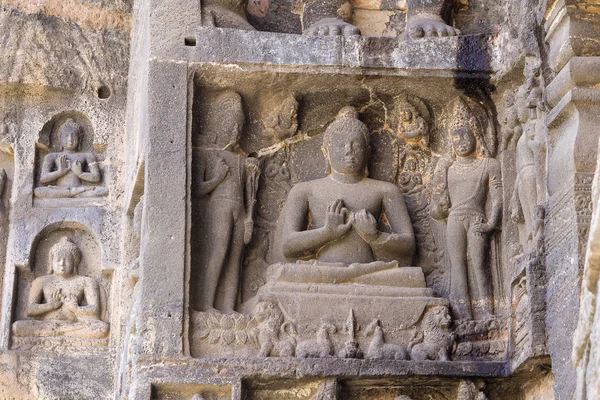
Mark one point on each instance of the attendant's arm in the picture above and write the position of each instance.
(299, 242)
(495, 187)
(49, 176)
(202, 187)
(35, 306)
(495, 195)
(440, 200)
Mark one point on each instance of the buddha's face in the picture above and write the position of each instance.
(348, 153)
(63, 263)
(69, 137)
(464, 142)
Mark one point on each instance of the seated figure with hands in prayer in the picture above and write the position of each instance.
(346, 219)
(63, 303)
(65, 173)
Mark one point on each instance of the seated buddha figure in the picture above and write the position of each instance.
(69, 172)
(351, 228)
(63, 303)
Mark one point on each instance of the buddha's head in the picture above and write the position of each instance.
(227, 119)
(65, 257)
(346, 143)
(69, 133)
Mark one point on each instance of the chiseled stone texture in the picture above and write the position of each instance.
(191, 211)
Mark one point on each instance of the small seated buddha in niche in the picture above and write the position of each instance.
(68, 172)
(63, 303)
(346, 219)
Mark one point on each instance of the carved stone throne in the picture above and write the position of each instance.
(398, 296)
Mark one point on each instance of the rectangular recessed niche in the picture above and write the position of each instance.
(190, 41)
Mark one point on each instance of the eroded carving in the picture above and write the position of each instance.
(321, 346)
(480, 340)
(415, 162)
(465, 184)
(529, 191)
(281, 123)
(469, 390)
(63, 303)
(435, 340)
(70, 172)
(351, 347)
(232, 13)
(276, 334)
(224, 186)
(280, 127)
(425, 18)
(267, 329)
(379, 349)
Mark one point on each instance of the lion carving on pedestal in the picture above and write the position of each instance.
(435, 340)
(274, 334)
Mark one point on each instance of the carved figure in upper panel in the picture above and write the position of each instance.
(425, 18)
(469, 390)
(509, 119)
(529, 191)
(347, 218)
(465, 183)
(414, 173)
(524, 198)
(280, 125)
(70, 172)
(224, 184)
(63, 303)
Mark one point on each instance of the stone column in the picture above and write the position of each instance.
(572, 34)
(157, 135)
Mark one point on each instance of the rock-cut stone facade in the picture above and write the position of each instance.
(308, 199)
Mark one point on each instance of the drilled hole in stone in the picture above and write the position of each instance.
(104, 92)
(190, 41)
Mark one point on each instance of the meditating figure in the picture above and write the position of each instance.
(346, 219)
(67, 172)
(471, 180)
(63, 303)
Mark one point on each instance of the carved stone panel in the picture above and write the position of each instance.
(64, 301)
(299, 202)
(68, 165)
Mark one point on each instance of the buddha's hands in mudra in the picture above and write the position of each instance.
(335, 219)
(64, 165)
(365, 225)
(71, 303)
(56, 300)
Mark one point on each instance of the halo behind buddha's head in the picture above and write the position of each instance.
(346, 120)
(66, 247)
